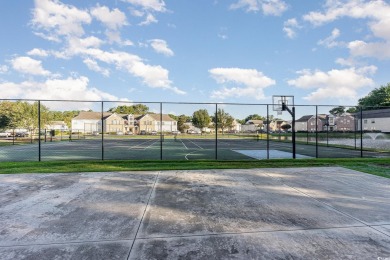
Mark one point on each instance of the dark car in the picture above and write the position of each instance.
(21, 134)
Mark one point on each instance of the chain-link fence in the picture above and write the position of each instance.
(43, 130)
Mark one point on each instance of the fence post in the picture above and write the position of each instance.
(102, 122)
(361, 132)
(216, 131)
(316, 131)
(267, 132)
(161, 135)
(39, 130)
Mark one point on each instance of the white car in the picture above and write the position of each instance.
(5, 134)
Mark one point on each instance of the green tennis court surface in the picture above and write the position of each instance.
(152, 148)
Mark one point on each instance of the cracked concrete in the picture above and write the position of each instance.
(298, 213)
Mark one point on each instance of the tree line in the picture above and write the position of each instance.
(22, 114)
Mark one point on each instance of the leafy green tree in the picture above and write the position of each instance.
(138, 109)
(181, 126)
(201, 118)
(377, 98)
(254, 117)
(4, 122)
(173, 116)
(285, 127)
(337, 110)
(352, 110)
(224, 120)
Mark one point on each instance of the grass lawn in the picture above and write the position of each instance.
(376, 166)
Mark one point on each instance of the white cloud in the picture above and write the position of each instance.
(379, 50)
(161, 46)
(253, 82)
(28, 65)
(72, 88)
(38, 52)
(149, 20)
(152, 76)
(334, 84)
(114, 19)
(330, 41)
(289, 27)
(59, 19)
(376, 12)
(149, 5)
(3, 69)
(268, 7)
(93, 65)
(115, 37)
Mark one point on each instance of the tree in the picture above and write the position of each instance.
(224, 120)
(181, 126)
(201, 118)
(377, 98)
(337, 110)
(286, 127)
(254, 117)
(138, 109)
(352, 110)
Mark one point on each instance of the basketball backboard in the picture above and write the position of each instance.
(278, 101)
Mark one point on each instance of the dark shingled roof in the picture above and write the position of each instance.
(377, 113)
(304, 118)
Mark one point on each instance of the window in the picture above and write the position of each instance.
(372, 121)
(365, 121)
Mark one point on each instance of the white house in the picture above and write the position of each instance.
(252, 126)
(57, 125)
(375, 120)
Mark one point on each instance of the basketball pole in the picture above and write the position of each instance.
(292, 113)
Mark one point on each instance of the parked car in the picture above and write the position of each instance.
(176, 132)
(153, 133)
(21, 134)
(5, 134)
(143, 132)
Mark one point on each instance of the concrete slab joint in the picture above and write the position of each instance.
(300, 213)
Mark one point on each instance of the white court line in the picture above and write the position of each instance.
(195, 144)
(184, 144)
(140, 144)
(189, 154)
(151, 145)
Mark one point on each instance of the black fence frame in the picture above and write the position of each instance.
(359, 108)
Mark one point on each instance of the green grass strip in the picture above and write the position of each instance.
(376, 166)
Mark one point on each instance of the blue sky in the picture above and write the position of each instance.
(245, 51)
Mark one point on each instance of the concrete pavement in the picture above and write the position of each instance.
(297, 213)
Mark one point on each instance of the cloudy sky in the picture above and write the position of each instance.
(322, 52)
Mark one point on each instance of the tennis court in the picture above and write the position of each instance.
(174, 148)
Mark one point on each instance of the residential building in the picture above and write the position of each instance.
(321, 123)
(90, 122)
(151, 122)
(344, 122)
(302, 124)
(252, 126)
(374, 120)
(57, 125)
